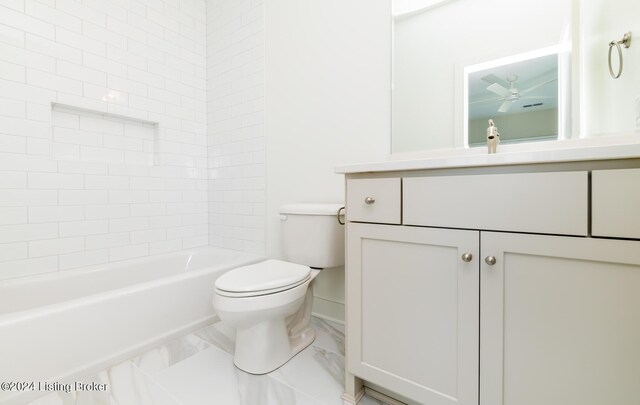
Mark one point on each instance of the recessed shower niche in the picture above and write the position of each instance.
(92, 136)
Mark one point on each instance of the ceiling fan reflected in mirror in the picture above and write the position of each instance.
(508, 91)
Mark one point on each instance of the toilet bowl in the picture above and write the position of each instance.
(272, 322)
(269, 303)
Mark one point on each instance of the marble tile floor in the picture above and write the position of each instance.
(198, 369)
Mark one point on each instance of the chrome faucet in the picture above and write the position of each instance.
(493, 137)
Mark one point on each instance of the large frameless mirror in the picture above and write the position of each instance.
(447, 53)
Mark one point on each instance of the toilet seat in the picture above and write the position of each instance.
(267, 277)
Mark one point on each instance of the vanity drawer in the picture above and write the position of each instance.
(552, 203)
(615, 203)
(374, 200)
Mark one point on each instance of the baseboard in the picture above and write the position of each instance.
(329, 310)
(382, 397)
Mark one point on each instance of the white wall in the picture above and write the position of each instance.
(79, 188)
(327, 102)
(235, 94)
(609, 106)
(432, 47)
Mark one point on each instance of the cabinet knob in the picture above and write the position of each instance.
(490, 260)
(369, 200)
(467, 257)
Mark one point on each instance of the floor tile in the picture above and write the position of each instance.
(211, 378)
(52, 399)
(126, 385)
(315, 371)
(219, 335)
(329, 335)
(198, 369)
(156, 360)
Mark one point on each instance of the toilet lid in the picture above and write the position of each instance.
(263, 276)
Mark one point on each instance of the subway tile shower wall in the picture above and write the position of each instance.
(236, 130)
(103, 131)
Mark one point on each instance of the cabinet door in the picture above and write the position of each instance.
(412, 311)
(560, 321)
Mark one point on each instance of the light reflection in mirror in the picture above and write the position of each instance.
(520, 93)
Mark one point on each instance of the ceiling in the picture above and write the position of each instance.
(405, 8)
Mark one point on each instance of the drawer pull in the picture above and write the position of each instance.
(490, 260)
(467, 257)
(369, 200)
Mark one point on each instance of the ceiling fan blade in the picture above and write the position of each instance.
(499, 90)
(491, 78)
(505, 106)
(537, 85)
(486, 100)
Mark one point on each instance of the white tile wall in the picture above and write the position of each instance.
(123, 172)
(236, 131)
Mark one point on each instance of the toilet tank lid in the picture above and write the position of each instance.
(311, 209)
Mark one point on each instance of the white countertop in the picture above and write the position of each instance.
(619, 147)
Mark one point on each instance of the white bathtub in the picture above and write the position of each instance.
(57, 327)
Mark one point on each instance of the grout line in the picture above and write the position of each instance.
(304, 394)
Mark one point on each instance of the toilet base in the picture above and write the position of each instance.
(270, 329)
(266, 347)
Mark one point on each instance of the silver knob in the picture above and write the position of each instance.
(490, 260)
(467, 257)
(369, 200)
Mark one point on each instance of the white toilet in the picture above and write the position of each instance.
(269, 303)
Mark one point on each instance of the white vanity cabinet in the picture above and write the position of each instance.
(413, 311)
(559, 320)
(452, 308)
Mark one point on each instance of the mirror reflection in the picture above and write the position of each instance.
(434, 41)
(521, 98)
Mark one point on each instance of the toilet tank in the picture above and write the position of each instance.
(312, 234)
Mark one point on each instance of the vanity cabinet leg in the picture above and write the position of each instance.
(354, 389)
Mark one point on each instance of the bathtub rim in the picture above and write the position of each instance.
(13, 317)
(117, 263)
